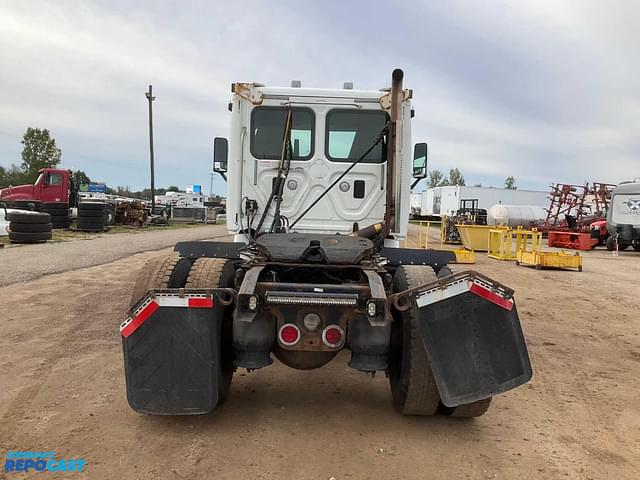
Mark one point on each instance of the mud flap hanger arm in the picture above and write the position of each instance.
(453, 285)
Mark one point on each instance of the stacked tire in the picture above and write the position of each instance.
(59, 212)
(91, 216)
(29, 227)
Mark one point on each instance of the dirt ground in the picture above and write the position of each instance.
(62, 389)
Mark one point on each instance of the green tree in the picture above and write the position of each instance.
(454, 178)
(173, 188)
(435, 178)
(11, 176)
(510, 183)
(39, 151)
(79, 177)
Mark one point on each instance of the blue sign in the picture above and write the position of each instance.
(197, 189)
(93, 187)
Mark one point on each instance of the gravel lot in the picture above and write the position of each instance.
(27, 262)
(62, 389)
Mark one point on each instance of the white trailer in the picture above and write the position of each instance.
(438, 201)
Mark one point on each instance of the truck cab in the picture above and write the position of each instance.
(52, 185)
(331, 129)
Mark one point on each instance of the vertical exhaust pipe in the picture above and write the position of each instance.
(396, 99)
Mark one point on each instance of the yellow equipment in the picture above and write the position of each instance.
(476, 237)
(464, 256)
(501, 242)
(530, 253)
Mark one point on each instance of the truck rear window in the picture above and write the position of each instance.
(267, 131)
(350, 133)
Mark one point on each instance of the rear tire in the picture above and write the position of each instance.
(413, 387)
(611, 243)
(156, 273)
(109, 216)
(218, 273)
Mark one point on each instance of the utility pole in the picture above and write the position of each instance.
(211, 186)
(151, 98)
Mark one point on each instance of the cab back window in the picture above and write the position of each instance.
(349, 133)
(267, 132)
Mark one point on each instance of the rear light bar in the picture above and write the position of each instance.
(308, 298)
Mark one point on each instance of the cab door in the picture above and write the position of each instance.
(53, 187)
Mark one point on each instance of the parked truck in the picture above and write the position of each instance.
(54, 192)
(623, 217)
(318, 199)
(51, 186)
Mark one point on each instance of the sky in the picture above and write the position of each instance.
(545, 91)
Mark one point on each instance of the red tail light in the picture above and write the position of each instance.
(289, 334)
(333, 336)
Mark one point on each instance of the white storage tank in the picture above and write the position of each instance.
(515, 215)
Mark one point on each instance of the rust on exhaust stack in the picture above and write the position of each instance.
(390, 207)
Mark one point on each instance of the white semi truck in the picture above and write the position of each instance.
(318, 198)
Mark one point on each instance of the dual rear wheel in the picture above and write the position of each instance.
(173, 271)
(413, 386)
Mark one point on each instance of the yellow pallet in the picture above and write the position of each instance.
(549, 259)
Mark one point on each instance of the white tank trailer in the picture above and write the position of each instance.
(515, 215)
(623, 217)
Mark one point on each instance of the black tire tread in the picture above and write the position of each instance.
(24, 237)
(216, 273)
(156, 273)
(85, 206)
(91, 214)
(418, 392)
(20, 217)
(30, 227)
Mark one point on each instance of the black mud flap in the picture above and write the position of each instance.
(171, 346)
(473, 338)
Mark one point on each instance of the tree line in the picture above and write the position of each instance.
(455, 177)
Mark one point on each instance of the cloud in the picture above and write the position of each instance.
(539, 90)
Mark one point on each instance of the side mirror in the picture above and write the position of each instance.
(420, 160)
(220, 153)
